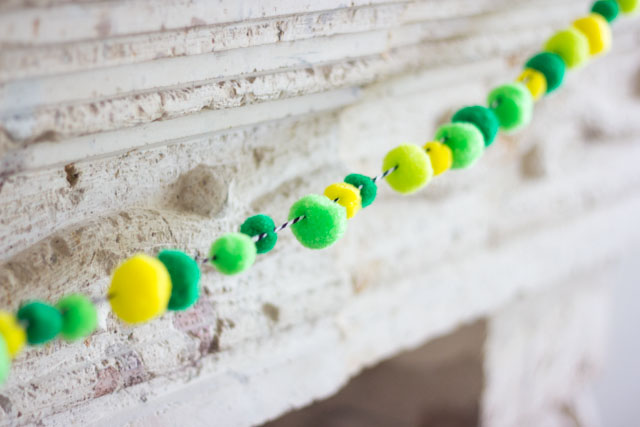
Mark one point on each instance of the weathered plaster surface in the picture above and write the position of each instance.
(138, 135)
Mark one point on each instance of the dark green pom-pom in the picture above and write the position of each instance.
(551, 65)
(185, 278)
(79, 316)
(483, 118)
(369, 188)
(259, 224)
(608, 9)
(43, 321)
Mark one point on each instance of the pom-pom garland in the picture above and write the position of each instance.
(79, 316)
(597, 31)
(464, 140)
(483, 118)
(367, 186)
(263, 226)
(535, 81)
(43, 321)
(346, 195)
(440, 155)
(513, 105)
(14, 335)
(413, 168)
(140, 289)
(551, 66)
(608, 9)
(143, 287)
(323, 221)
(233, 253)
(185, 279)
(571, 45)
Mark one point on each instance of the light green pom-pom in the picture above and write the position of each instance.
(324, 221)
(482, 118)
(233, 253)
(629, 6)
(551, 65)
(513, 105)
(465, 141)
(185, 278)
(571, 45)
(79, 316)
(414, 168)
(43, 321)
(259, 224)
(5, 360)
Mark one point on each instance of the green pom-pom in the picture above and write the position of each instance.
(513, 105)
(79, 316)
(629, 6)
(571, 45)
(551, 66)
(259, 224)
(414, 168)
(233, 253)
(464, 140)
(368, 188)
(5, 360)
(185, 278)
(608, 9)
(43, 321)
(483, 118)
(324, 221)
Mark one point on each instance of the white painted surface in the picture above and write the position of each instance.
(290, 97)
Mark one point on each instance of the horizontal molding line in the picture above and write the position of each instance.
(19, 62)
(49, 154)
(73, 22)
(23, 95)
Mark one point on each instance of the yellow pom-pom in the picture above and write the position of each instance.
(597, 31)
(348, 196)
(440, 155)
(13, 334)
(535, 81)
(140, 289)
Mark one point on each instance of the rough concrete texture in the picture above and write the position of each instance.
(126, 131)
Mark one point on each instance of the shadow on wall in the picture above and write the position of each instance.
(439, 384)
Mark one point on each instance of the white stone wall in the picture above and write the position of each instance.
(134, 126)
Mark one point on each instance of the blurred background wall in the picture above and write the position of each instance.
(131, 126)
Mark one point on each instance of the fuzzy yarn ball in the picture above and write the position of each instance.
(414, 168)
(79, 316)
(233, 253)
(440, 155)
(140, 289)
(44, 322)
(347, 196)
(324, 221)
(464, 140)
(608, 9)
(597, 31)
(551, 66)
(12, 332)
(257, 225)
(368, 188)
(513, 105)
(482, 118)
(571, 45)
(185, 279)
